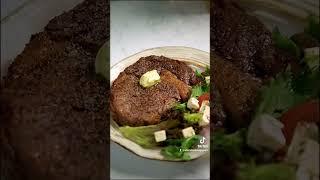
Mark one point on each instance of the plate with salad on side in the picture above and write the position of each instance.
(269, 82)
(160, 103)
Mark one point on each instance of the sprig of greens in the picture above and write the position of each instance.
(192, 118)
(287, 90)
(202, 75)
(278, 96)
(177, 151)
(285, 43)
(198, 74)
(230, 145)
(198, 90)
(207, 71)
(181, 107)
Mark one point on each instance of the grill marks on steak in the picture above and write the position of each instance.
(56, 109)
(134, 105)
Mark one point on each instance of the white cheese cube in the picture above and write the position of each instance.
(308, 167)
(203, 105)
(314, 51)
(207, 78)
(205, 117)
(265, 133)
(302, 132)
(302, 174)
(160, 135)
(193, 103)
(309, 159)
(188, 132)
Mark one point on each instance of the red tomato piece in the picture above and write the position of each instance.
(203, 97)
(307, 112)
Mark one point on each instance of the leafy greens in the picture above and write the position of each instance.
(177, 150)
(283, 42)
(192, 118)
(198, 90)
(143, 135)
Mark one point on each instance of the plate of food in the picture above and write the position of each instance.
(160, 103)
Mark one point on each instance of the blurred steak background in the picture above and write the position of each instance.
(243, 58)
(54, 109)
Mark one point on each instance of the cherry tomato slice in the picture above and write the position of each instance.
(307, 112)
(203, 97)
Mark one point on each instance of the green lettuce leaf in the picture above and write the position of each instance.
(278, 96)
(192, 118)
(285, 43)
(177, 151)
(181, 107)
(230, 145)
(143, 135)
(198, 90)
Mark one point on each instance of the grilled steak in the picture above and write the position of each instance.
(136, 106)
(243, 40)
(54, 108)
(238, 91)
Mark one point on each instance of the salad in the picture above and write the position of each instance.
(282, 140)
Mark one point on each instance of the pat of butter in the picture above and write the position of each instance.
(149, 78)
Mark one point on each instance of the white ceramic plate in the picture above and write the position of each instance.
(195, 58)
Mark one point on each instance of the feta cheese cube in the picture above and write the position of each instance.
(160, 135)
(205, 117)
(309, 159)
(302, 174)
(203, 105)
(193, 103)
(265, 133)
(207, 78)
(302, 132)
(188, 132)
(314, 51)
